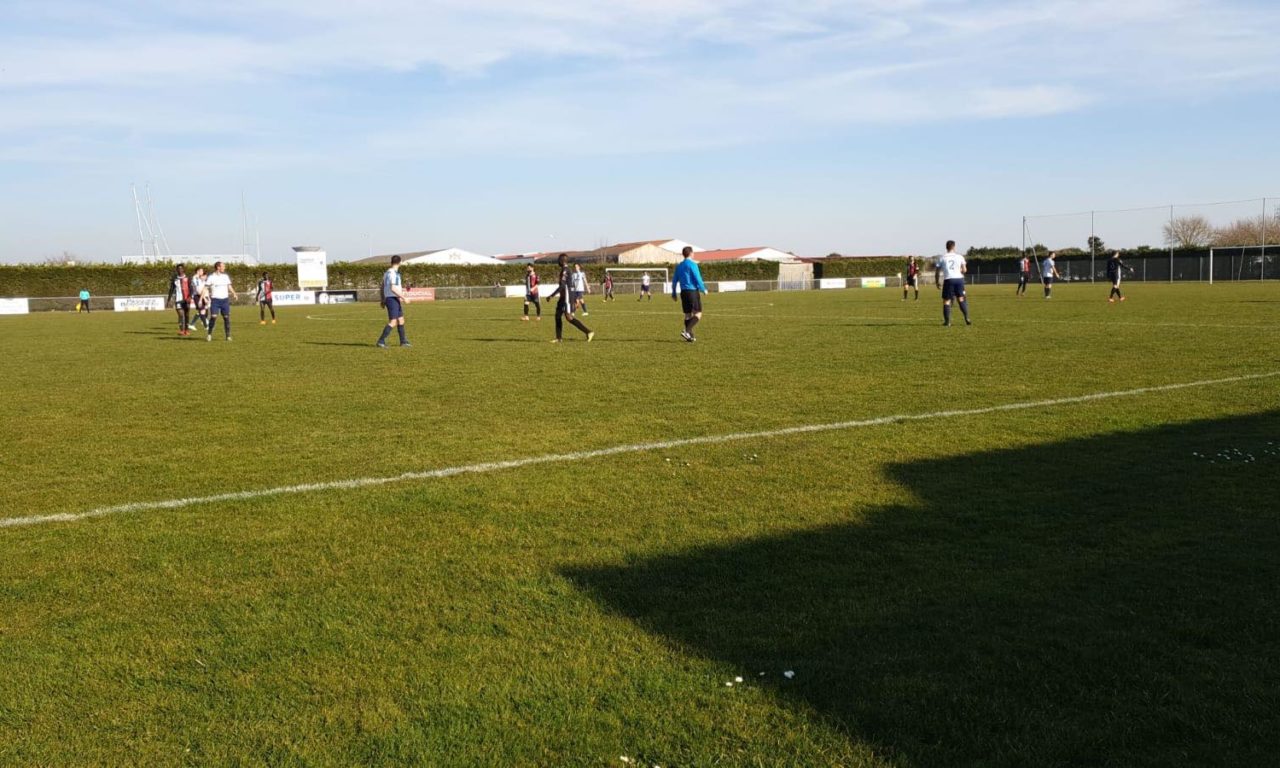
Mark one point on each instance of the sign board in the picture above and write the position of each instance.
(337, 297)
(666, 288)
(293, 298)
(727, 286)
(827, 283)
(139, 303)
(873, 282)
(517, 291)
(421, 294)
(313, 268)
(14, 306)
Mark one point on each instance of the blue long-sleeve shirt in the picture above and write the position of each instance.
(687, 278)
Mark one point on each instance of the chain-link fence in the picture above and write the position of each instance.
(1218, 265)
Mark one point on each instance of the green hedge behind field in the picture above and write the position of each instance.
(126, 280)
(860, 267)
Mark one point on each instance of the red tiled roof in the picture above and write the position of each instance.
(725, 254)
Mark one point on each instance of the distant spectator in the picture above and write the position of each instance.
(84, 300)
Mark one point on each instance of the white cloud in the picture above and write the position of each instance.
(624, 76)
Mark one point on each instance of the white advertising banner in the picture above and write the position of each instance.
(666, 289)
(827, 283)
(292, 298)
(516, 291)
(313, 269)
(14, 306)
(139, 303)
(873, 282)
(729, 286)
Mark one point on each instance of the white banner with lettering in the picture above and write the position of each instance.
(139, 303)
(832, 282)
(313, 269)
(292, 298)
(728, 286)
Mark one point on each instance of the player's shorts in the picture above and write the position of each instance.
(1024, 278)
(265, 302)
(531, 298)
(221, 307)
(1047, 280)
(953, 288)
(691, 302)
(911, 281)
(575, 296)
(182, 305)
(1115, 282)
(644, 289)
(394, 310)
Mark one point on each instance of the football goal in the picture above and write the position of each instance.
(1242, 262)
(631, 276)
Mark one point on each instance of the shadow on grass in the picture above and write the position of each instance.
(1105, 601)
(369, 344)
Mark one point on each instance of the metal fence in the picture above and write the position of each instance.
(1226, 264)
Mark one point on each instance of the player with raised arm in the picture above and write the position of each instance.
(1115, 268)
(951, 267)
(564, 306)
(265, 302)
(911, 278)
(531, 293)
(180, 292)
(687, 285)
(1048, 271)
(221, 293)
(1024, 274)
(393, 300)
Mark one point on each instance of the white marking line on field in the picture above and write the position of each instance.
(494, 466)
(835, 319)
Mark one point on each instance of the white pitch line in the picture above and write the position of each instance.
(495, 466)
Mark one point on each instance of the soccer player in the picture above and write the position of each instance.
(221, 293)
(580, 289)
(608, 287)
(913, 272)
(1048, 271)
(200, 295)
(531, 293)
(687, 285)
(84, 300)
(644, 287)
(264, 300)
(1024, 274)
(180, 292)
(564, 307)
(952, 268)
(1114, 268)
(394, 299)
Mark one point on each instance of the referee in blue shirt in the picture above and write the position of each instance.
(687, 285)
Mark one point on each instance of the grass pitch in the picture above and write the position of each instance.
(1075, 583)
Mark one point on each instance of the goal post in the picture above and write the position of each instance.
(1253, 255)
(639, 272)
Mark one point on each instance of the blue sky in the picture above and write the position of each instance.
(862, 126)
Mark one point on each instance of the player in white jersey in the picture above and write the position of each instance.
(951, 268)
(220, 296)
(1048, 271)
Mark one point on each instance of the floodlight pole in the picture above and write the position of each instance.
(1171, 244)
(1024, 235)
(1093, 238)
(1262, 265)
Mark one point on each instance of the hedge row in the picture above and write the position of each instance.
(125, 280)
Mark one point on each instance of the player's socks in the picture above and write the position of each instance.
(386, 331)
(964, 308)
(946, 314)
(693, 321)
(578, 324)
(400, 330)
(226, 326)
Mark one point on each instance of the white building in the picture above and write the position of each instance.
(454, 256)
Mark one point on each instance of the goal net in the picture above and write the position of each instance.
(628, 279)
(1244, 262)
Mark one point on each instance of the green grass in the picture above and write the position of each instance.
(1066, 585)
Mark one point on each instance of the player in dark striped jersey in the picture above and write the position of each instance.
(180, 291)
(531, 292)
(564, 307)
(912, 278)
(1024, 275)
